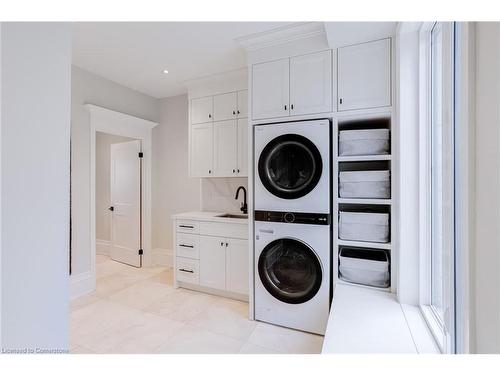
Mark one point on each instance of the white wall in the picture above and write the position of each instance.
(89, 88)
(173, 191)
(35, 122)
(103, 183)
(485, 279)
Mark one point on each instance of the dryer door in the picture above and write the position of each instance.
(290, 166)
(290, 270)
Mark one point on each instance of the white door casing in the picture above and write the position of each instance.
(126, 202)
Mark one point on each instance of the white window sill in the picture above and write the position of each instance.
(365, 320)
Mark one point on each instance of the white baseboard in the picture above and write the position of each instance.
(162, 257)
(81, 284)
(102, 247)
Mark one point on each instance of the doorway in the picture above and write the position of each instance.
(118, 203)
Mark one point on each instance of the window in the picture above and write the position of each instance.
(437, 281)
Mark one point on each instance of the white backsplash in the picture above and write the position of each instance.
(217, 194)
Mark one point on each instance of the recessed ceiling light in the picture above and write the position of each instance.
(165, 71)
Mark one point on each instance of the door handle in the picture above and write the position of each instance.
(111, 208)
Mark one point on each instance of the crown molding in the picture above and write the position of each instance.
(281, 35)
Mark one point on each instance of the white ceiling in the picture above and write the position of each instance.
(135, 54)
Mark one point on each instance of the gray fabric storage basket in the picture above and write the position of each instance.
(365, 184)
(364, 226)
(371, 270)
(363, 142)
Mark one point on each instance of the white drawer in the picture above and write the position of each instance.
(187, 226)
(187, 245)
(224, 230)
(188, 270)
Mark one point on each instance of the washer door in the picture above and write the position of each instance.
(290, 166)
(290, 270)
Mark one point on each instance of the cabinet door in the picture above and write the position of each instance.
(201, 110)
(225, 106)
(242, 103)
(311, 83)
(237, 266)
(201, 150)
(270, 89)
(213, 262)
(364, 75)
(242, 147)
(225, 148)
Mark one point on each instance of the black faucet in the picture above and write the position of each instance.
(243, 207)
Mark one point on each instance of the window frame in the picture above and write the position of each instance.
(442, 328)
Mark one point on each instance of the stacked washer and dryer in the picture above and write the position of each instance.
(292, 203)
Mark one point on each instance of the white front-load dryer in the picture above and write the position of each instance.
(292, 270)
(292, 166)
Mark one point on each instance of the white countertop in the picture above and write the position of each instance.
(364, 320)
(209, 216)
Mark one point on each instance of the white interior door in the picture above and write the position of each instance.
(126, 202)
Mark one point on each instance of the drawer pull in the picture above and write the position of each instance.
(189, 246)
(186, 226)
(184, 270)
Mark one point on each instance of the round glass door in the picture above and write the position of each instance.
(290, 270)
(290, 166)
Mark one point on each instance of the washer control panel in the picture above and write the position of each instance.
(292, 217)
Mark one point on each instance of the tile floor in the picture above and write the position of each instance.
(139, 311)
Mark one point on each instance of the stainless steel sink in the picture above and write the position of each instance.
(234, 216)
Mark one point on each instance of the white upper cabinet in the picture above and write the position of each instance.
(201, 150)
(225, 148)
(242, 169)
(225, 106)
(311, 83)
(242, 103)
(201, 110)
(364, 75)
(270, 89)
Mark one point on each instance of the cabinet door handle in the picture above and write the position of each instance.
(209, 115)
(285, 107)
(226, 244)
(185, 270)
(186, 226)
(234, 170)
(188, 246)
(238, 111)
(234, 112)
(209, 171)
(238, 170)
(291, 107)
(222, 243)
(341, 100)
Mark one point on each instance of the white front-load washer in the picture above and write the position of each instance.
(292, 269)
(292, 166)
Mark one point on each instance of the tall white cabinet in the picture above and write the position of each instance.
(218, 135)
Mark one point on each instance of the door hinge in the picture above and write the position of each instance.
(140, 252)
(141, 154)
